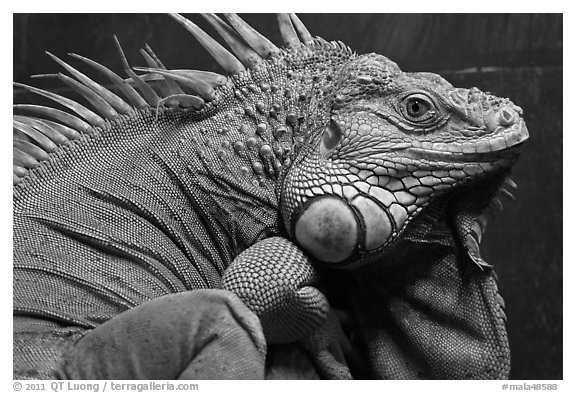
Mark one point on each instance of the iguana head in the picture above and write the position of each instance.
(395, 142)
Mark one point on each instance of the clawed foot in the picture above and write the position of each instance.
(275, 280)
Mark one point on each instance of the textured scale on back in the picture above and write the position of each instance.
(300, 159)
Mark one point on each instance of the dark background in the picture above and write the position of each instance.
(510, 55)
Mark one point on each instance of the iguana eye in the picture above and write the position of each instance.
(417, 108)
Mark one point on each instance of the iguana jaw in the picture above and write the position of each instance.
(355, 227)
(503, 146)
(338, 234)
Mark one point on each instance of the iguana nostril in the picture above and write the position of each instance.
(506, 117)
(459, 97)
(327, 230)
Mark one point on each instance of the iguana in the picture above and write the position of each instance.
(309, 209)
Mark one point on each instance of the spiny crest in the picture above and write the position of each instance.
(39, 130)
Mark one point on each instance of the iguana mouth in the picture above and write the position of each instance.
(504, 146)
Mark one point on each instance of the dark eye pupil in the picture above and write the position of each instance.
(416, 108)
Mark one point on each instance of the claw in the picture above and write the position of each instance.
(477, 231)
(474, 252)
(500, 301)
(511, 183)
(507, 194)
(482, 221)
(497, 203)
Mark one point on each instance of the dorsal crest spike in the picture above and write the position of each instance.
(211, 78)
(245, 53)
(56, 114)
(226, 59)
(166, 86)
(31, 149)
(149, 94)
(66, 131)
(170, 86)
(202, 88)
(132, 95)
(56, 137)
(99, 103)
(81, 110)
(39, 137)
(301, 29)
(287, 31)
(119, 104)
(21, 158)
(157, 60)
(19, 171)
(257, 41)
(103, 107)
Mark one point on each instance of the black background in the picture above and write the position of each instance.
(515, 56)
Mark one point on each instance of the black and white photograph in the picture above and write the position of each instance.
(299, 196)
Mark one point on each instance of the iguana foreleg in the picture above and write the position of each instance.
(275, 279)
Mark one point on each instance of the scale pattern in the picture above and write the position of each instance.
(178, 182)
(282, 295)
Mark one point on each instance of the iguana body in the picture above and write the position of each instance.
(160, 191)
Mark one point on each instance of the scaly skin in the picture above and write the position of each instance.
(396, 141)
(311, 154)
